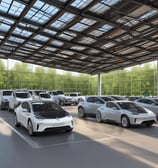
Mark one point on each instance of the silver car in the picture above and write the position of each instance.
(126, 113)
(148, 103)
(89, 105)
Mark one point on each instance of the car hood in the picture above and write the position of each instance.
(147, 113)
(51, 115)
(23, 99)
(6, 97)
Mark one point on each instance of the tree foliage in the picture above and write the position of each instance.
(139, 80)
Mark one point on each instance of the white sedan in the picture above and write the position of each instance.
(126, 113)
(40, 116)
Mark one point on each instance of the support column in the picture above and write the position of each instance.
(157, 78)
(99, 84)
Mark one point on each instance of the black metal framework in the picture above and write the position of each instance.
(86, 36)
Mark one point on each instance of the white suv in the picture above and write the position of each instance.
(76, 97)
(17, 97)
(4, 98)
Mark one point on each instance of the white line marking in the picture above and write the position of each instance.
(29, 141)
(35, 145)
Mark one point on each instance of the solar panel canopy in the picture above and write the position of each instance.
(85, 36)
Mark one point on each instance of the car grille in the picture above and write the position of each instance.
(57, 129)
(148, 122)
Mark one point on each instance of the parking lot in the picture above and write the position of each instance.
(90, 145)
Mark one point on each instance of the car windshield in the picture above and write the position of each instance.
(48, 110)
(107, 98)
(75, 94)
(7, 93)
(117, 98)
(45, 95)
(22, 95)
(60, 92)
(156, 100)
(53, 93)
(132, 107)
(37, 92)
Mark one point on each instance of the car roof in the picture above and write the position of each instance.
(120, 101)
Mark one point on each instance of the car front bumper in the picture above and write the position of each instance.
(142, 120)
(42, 125)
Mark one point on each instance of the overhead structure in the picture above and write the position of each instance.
(86, 36)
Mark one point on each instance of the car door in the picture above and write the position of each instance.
(92, 104)
(112, 112)
(25, 113)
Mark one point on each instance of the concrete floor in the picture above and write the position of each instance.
(90, 145)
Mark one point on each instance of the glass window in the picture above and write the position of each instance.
(98, 100)
(41, 38)
(22, 95)
(41, 12)
(90, 99)
(103, 6)
(63, 20)
(81, 3)
(22, 32)
(48, 110)
(16, 8)
(25, 105)
(7, 93)
(111, 105)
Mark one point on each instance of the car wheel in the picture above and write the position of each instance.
(99, 117)
(61, 103)
(30, 128)
(81, 112)
(16, 123)
(149, 125)
(125, 121)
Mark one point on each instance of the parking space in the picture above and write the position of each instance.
(90, 145)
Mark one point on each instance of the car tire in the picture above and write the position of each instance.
(149, 125)
(61, 103)
(125, 123)
(81, 112)
(99, 117)
(16, 123)
(30, 128)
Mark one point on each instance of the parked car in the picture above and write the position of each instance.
(118, 97)
(54, 96)
(64, 99)
(90, 104)
(148, 103)
(39, 116)
(17, 97)
(44, 96)
(125, 113)
(133, 98)
(35, 94)
(76, 96)
(4, 98)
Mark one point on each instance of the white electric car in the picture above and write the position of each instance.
(40, 116)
